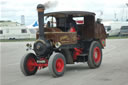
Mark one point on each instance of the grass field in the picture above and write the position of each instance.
(17, 40)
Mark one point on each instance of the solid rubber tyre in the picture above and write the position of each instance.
(25, 65)
(56, 64)
(95, 55)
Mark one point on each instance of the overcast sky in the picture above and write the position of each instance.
(106, 9)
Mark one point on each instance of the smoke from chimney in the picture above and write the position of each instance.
(50, 4)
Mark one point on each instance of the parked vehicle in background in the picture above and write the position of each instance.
(13, 33)
(124, 31)
(14, 30)
(107, 29)
(113, 27)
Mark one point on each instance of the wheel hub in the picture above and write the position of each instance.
(30, 64)
(59, 65)
(97, 55)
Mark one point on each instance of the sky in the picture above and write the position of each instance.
(105, 9)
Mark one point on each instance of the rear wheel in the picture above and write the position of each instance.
(95, 55)
(27, 64)
(57, 64)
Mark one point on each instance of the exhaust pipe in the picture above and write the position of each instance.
(40, 9)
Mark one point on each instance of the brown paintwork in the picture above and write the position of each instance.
(62, 37)
(56, 35)
(92, 29)
(99, 31)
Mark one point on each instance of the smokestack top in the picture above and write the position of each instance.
(40, 7)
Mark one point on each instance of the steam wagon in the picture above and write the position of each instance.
(65, 40)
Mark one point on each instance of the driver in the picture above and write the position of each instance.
(72, 24)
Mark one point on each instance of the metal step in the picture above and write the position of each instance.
(83, 54)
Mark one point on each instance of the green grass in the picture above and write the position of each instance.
(115, 37)
(17, 40)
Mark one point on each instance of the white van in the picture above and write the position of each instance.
(113, 28)
(116, 27)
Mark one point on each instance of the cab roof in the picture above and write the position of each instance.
(66, 13)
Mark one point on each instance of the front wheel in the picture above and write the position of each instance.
(27, 64)
(56, 64)
(95, 55)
